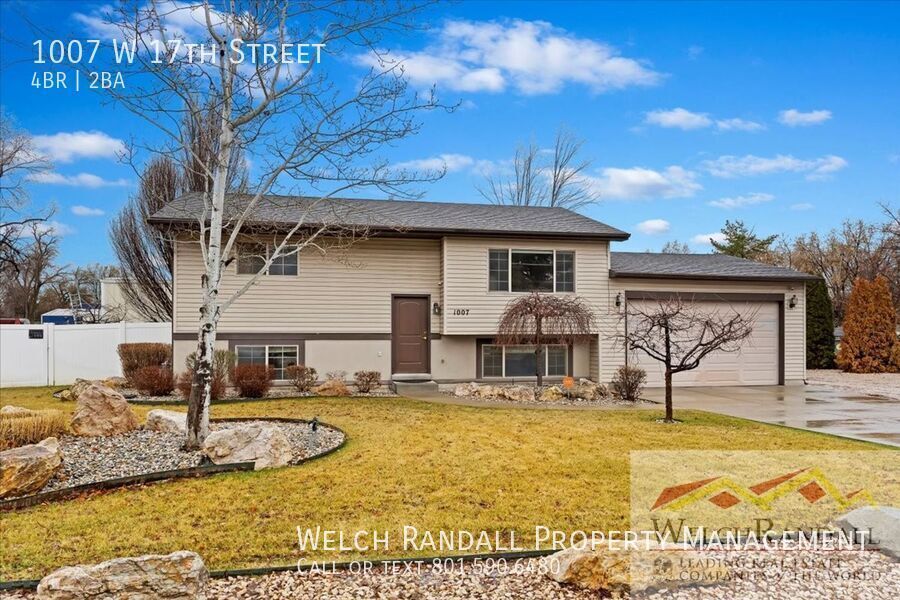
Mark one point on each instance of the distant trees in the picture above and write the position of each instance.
(542, 178)
(870, 336)
(675, 247)
(741, 241)
(819, 327)
(28, 286)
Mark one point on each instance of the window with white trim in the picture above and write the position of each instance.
(518, 361)
(252, 259)
(531, 270)
(277, 357)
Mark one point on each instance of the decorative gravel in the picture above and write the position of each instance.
(276, 393)
(93, 459)
(877, 384)
(607, 401)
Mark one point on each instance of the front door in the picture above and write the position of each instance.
(409, 334)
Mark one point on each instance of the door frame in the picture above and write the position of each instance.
(427, 298)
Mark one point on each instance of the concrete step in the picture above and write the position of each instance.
(412, 388)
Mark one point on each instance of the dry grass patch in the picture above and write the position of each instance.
(30, 428)
(432, 466)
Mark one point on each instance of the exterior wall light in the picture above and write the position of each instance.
(436, 308)
(619, 299)
(793, 301)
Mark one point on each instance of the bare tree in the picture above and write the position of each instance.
(25, 287)
(675, 247)
(680, 334)
(307, 134)
(541, 319)
(536, 182)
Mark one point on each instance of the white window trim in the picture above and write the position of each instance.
(237, 347)
(509, 270)
(296, 255)
(503, 359)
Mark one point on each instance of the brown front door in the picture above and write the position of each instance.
(409, 335)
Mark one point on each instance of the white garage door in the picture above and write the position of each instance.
(755, 364)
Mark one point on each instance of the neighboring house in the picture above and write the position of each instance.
(420, 298)
(114, 305)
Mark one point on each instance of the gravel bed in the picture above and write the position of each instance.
(93, 459)
(276, 393)
(608, 401)
(877, 384)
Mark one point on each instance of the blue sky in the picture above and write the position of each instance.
(784, 115)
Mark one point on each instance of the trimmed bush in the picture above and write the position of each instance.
(154, 381)
(303, 378)
(20, 430)
(138, 356)
(366, 381)
(217, 387)
(628, 383)
(252, 381)
(869, 329)
(819, 327)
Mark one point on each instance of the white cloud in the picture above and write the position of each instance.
(66, 147)
(86, 211)
(678, 118)
(54, 226)
(702, 239)
(451, 162)
(638, 182)
(894, 158)
(532, 57)
(738, 125)
(88, 180)
(750, 165)
(802, 206)
(653, 226)
(741, 201)
(694, 52)
(794, 118)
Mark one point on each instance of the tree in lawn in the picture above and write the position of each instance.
(869, 329)
(742, 241)
(541, 319)
(819, 327)
(311, 132)
(680, 334)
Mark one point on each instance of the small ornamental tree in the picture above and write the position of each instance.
(541, 319)
(870, 333)
(819, 327)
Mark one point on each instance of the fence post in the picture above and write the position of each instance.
(50, 349)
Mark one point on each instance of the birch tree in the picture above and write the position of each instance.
(306, 128)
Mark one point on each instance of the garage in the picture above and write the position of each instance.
(756, 363)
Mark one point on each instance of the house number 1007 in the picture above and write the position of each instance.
(461, 312)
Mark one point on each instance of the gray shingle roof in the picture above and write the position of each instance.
(697, 266)
(404, 215)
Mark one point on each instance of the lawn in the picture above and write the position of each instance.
(406, 463)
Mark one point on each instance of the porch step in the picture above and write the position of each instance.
(404, 388)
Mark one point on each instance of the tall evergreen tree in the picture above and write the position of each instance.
(742, 241)
(819, 327)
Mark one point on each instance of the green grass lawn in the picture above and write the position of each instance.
(406, 463)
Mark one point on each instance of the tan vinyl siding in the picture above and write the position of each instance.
(466, 279)
(611, 355)
(325, 296)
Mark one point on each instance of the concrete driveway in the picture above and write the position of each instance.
(815, 408)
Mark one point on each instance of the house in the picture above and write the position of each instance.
(421, 295)
(114, 303)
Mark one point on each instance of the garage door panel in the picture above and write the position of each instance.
(756, 363)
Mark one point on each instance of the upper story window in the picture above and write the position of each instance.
(531, 270)
(252, 259)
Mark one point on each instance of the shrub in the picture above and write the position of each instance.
(252, 381)
(31, 428)
(335, 375)
(138, 356)
(154, 381)
(628, 383)
(302, 377)
(819, 327)
(223, 362)
(218, 385)
(366, 381)
(869, 329)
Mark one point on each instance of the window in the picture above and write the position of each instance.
(531, 271)
(252, 259)
(518, 361)
(277, 357)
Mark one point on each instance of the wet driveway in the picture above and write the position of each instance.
(816, 408)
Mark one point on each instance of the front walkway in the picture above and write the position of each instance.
(811, 407)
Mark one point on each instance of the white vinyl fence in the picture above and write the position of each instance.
(58, 354)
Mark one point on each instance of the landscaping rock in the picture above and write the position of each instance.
(15, 411)
(168, 421)
(465, 389)
(553, 393)
(518, 393)
(116, 383)
(265, 446)
(588, 390)
(27, 469)
(332, 387)
(488, 391)
(102, 411)
(177, 576)
(882, 524)
(75, 390)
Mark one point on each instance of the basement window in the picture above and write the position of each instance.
(518, 361)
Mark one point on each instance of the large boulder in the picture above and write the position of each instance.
(75, 390)
(465, 389)
(588, 390)
(264, 445)
(102, 411)
(177, 576)
(488, 391)
(27, 469)
(116, 383)
(554, 393)
(517, 393)
(15, 411)
(881, 525)
(167, 421)
(332, 387)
